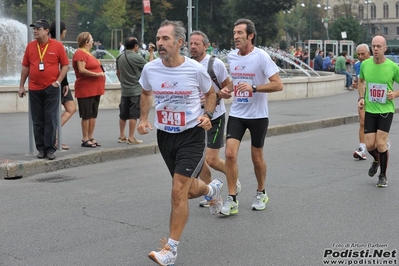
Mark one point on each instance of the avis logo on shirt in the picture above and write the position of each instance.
(169, 84)
(239, 68)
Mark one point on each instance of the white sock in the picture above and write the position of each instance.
(363, 146)
(211, 191)
(173, 244)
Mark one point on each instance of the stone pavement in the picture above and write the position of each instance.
(288, 116)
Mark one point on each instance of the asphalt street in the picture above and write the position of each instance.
(321, 202)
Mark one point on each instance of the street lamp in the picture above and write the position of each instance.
(310, 16)
(367, 3)
(325, 20)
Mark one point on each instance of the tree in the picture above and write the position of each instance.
(265, 17)
(350, 25)
(296, 24)
(41, 9)
(114, 12)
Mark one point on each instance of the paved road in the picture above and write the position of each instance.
(113, 213)
(285, 117)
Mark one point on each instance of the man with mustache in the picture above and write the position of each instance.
(176, 82)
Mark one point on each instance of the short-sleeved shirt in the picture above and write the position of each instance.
(254, 68)
(54, 56)
(356, 67)
(327, 63)
(379, 81)
(130, 74)
(221, 75)
(177, 93)
(340, 64)
(87, 86)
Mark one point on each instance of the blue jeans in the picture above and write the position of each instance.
(348, 77)
(44, 106)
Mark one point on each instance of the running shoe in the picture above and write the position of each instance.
(382, 181)
(216, 201)
(238, 187)
(388, 144)
(373, 168)
(229, 207)
(260, 201)
(164, 257)
(360, 154)
(204, 203)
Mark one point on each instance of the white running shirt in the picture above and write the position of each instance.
(221, 74)
(176, 93)
(254, 68)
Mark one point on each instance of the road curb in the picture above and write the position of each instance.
(19, 169)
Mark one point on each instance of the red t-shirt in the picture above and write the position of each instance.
(53, 57)
(87, 86)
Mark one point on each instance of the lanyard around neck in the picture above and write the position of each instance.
(87, 52)
(41, 55)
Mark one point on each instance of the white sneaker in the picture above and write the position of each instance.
(360, 154)
(204, 203)
(238, 187)
(216, 201)
(164, 257)
(260, 201)
(388, 144)
(229, 207)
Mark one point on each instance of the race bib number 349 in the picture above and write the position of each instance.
(171, 118)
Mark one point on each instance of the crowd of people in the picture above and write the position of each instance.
(190, 115)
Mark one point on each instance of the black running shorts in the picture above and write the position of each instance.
(183, 153)
(374, 122)
(236, 128)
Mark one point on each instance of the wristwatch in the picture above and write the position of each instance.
(209, 114)
(254, 88)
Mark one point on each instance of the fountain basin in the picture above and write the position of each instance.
(295, 87)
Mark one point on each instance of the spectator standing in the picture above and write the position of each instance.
(89, 86)
(318, 62)
(41, 63)
(254, 76)
(176, 82)
(66, 97)
(121, 48)
(129, 65)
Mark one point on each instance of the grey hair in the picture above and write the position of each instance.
(179, 31)
(250, 27)
(198, 32)
(362, 45)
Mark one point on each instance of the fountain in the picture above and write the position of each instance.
(301, 83)
(13, 39)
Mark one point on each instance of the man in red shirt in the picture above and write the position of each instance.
(42, 59)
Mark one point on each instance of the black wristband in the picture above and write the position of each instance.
(360, 98)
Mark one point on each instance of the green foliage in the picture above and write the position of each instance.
(41, 9)
(114, 12)
(351, 26)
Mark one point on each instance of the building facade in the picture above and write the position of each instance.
(379, 17)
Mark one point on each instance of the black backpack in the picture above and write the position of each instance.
(212, 74)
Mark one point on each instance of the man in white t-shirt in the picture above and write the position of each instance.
(254, 75)
(121, 48)
(181, 123)
(198, 43)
